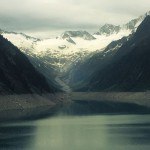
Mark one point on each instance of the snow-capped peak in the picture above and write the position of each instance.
(77, 34)
(71, 46)
(109, 29)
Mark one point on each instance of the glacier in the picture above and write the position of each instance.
(72, 46)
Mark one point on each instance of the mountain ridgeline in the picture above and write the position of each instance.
(115, 58)
(125, 69)
(132, 25)
(71, 47)
(17, 74)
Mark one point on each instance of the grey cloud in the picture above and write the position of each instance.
(31, 15)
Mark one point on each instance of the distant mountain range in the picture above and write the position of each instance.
(91, 62)
(132, 25)
(71, 47)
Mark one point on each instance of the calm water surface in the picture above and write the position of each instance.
(104, 132)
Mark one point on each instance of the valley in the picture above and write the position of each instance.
(71, 47)
(74, 75)
(83, 73)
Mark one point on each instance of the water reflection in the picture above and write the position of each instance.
(138, 134)
(16, 137)
(108, 132)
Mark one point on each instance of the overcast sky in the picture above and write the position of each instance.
(51, 16)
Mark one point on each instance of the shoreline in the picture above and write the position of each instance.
(139, 98)
(30, 106)
(33, 106)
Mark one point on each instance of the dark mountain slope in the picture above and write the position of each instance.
(17, 75)
(83, 72)
(129, 70)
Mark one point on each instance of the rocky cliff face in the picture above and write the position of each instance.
(17, 75)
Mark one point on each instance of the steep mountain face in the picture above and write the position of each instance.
(82, 72)
(129, 68)
(17, 75)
